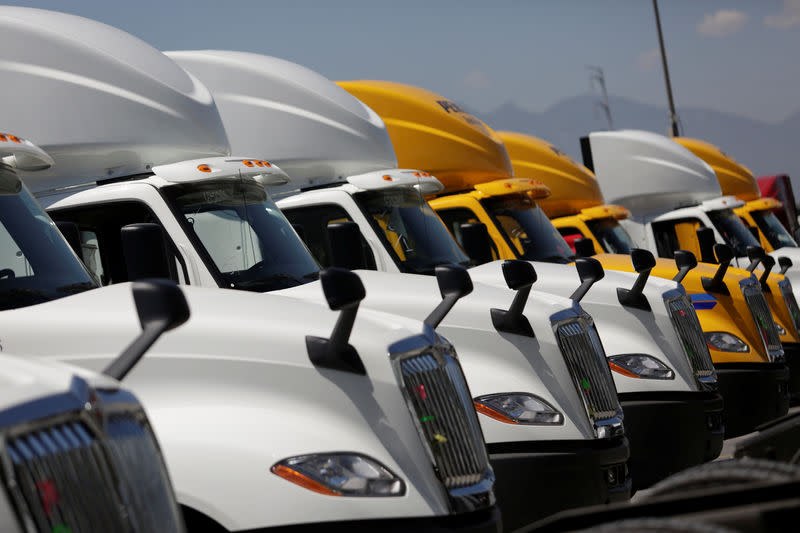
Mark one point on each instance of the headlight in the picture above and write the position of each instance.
(725, 342)
(641, 366)
(781, 331)
(340, 474)
(518, 408)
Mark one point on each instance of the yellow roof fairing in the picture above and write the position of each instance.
(533, 188)
(734, 178)
(605, 211)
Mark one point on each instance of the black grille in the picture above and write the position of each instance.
(440, 401)
(687, 325)
(588, 366)
(788, 296)
(64, 476)
(762, 317)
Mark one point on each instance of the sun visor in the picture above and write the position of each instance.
(573, 186)
(648, 173)
(101, 102)
(432, 133)
(312, 128)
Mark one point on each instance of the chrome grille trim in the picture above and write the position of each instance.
(785, 287)
(762, 317)
(441, 405)
(586, 360)
(64, 471)
(687, 326)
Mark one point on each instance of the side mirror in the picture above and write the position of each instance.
(643, 262)
(476, 242)
(769, 263)
(72, 235)
(584, 247)
(343, 291)
(755, 233)
(590, 271)
(161, 306)
(706, 241)
(685, 261)
(454, 283)
(785, 263)
(724, 256)
(145, 251)
(520, 276)
(756, 254)
(345, 241)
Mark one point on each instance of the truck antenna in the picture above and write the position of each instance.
(673, 117)
(598, 80)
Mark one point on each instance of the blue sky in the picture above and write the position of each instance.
(732, 56)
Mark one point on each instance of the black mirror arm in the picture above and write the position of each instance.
(716, 284)
(441, 310)
(633, 297)
(753, 264)
(582, 289)
(512, 320)
(123, 364)
(681, 274)
(342, 329)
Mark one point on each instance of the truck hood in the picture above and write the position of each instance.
(622, 329)
(240, 366)
(493, 361)
(25, 379)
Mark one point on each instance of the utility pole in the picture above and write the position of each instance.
(673, 117)
(596, 76)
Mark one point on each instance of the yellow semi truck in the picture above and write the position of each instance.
(435, 135)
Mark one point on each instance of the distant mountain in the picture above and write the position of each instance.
(766, 148)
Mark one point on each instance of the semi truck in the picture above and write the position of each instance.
(343, 170)
(271, 411)
(78, 450)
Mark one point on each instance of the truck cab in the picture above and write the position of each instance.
(308, 414)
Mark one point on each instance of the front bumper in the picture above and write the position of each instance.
(537, 479)
(485, 521)
(671, 431)
(754, 393)
(792, 352)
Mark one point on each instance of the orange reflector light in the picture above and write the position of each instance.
(426, 174)
(301, 479)
(267, 163)
(387, 177)
(247, 163)
(204, 168)
(508, 185)
(14, 138)
(259, 163)
(491, 413)
(619, 370)
(417, 174)
(3, 137)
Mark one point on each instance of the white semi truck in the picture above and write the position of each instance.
(343, 168)
(271, 411)
(77, 448)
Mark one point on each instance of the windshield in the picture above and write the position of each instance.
(772, 229)
(733, 230)
(612, 237)
(411, 231)
(527, 229)
(246, 240)
(36, 264)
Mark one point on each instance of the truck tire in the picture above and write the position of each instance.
(724, 473)
(653, 525)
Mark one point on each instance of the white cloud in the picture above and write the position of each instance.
(723, 22)
(648, 60)
(477, 80)
(787, 18)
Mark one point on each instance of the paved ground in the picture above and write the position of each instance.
(728, 447)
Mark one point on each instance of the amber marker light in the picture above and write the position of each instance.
(387, 177)
(304, 481)
(618, 369)
(204, 168)
(258, 163)
(247, 163)
(3, 137)
(14, 138)
(491, 413)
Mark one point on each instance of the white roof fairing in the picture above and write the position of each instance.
(315, 130)
(649, 173)
(101, 102)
